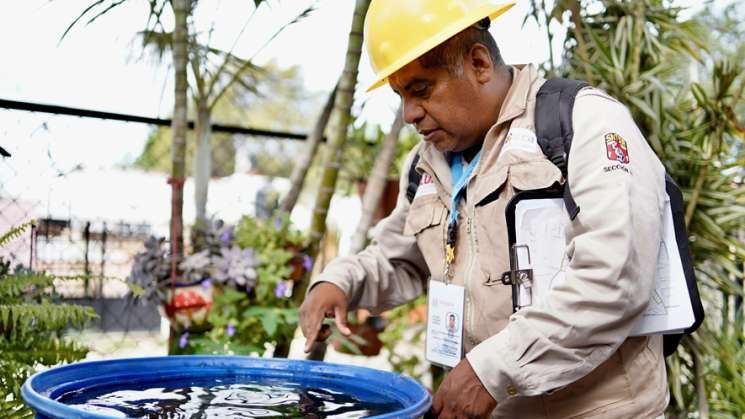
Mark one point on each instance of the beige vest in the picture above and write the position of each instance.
(632, 383)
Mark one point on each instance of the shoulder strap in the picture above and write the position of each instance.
(556, 98)
(414, 178)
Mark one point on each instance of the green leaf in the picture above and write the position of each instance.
(644, 107)
(269, 322)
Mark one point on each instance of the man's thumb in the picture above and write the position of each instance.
(340, 313)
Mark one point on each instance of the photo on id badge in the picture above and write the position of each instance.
(452, 324)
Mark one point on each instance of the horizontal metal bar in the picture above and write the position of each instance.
(88, 113)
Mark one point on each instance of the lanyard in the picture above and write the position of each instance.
(460, 180)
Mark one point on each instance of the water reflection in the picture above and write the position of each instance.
(240, 399)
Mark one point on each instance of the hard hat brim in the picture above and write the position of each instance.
(491, 10)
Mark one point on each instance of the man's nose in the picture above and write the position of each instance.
(413, 112)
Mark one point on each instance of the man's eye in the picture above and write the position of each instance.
(419, 90)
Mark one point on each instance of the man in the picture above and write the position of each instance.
(571, 357)
(452, 328)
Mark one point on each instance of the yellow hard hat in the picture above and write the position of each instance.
(399, 31)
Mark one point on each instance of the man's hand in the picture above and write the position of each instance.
(323, 300)
(461, 395)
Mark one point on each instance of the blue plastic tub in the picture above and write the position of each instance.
(42, 390)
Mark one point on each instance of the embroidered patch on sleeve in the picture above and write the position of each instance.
(616, 148)
(426, 186)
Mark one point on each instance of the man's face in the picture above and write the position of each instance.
(451, 322)
(445, 108)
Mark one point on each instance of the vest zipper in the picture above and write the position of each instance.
(469, 271)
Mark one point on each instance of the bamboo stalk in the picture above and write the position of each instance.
(178, 146)
(636, 45)
(377, 182)
(579, 36)
(300, 171)
(179, 124)
(342, 108)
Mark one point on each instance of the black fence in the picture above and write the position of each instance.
(98, 188)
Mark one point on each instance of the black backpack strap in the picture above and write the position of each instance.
(414, 178)
(554, 134)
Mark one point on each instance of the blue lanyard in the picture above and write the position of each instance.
(460, 180)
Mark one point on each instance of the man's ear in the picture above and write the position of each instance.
(479, 60)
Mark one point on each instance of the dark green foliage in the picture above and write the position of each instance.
(32, 322)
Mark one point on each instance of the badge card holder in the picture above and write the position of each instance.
(444, 340)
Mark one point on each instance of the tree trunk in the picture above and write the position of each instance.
(377, 182)
(179, 124)
(178, 128)
(306, 160)
(342, 105)
(202, 161)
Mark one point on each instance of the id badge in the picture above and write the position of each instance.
(444, 341)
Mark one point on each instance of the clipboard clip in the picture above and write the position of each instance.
(521, 280)
(517, 277)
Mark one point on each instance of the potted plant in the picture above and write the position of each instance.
(232, 296)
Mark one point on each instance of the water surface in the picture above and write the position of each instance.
(229, 397)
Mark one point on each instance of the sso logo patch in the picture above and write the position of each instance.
(426, 186)
(616, 148)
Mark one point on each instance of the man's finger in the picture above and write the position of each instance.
(341, 320)
(436, 404)
(309, 342)
(310, 331)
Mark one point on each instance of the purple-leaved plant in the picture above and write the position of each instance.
(235, 266)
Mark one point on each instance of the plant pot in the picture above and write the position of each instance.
(296, 264)
(387, 200)
(368, 330)
(188, 306)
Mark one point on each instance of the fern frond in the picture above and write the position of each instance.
(12, 376)
(43, 350)
(15, 285)
(15, 232)
(23, 319)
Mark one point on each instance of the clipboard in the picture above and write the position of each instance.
(536, 221)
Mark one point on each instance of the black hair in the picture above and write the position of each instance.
(450, 53)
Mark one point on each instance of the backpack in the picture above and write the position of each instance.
(554, 132)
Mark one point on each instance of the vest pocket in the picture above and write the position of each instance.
(425, 221)
(424, 213)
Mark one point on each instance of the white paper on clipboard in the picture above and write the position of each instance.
(540, 225)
